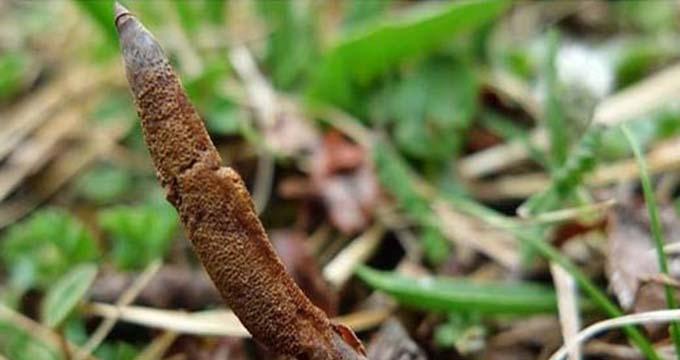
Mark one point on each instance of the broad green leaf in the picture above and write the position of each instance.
(139, 234)
(65, 294)
(460, 295)
(365, 53)
(42, 248)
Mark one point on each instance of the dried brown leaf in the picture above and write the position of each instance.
(345, 180)
(631, 257)
(392, 342)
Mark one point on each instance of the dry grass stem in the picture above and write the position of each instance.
(31, 155)
(661, 158)
(214, 322)
(24, 118)
(599, 209)
(652, 317)
(468, 231)
(341, 267)
(639, 99)
(567, 302)
(126, 298)
(95, 143)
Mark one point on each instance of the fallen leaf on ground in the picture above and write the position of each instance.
(631, 256)
(342, 174)
(392, 342)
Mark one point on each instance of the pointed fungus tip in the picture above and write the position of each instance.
(120, 11)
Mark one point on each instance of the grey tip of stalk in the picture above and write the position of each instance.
(121, 14)
(141, 52)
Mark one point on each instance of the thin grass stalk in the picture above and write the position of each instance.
(657, 232)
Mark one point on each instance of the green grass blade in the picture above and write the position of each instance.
(460, 295)
(657, 232)
(554, 117)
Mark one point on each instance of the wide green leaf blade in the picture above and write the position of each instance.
(458, 295)
(369, 51)
(66, 293)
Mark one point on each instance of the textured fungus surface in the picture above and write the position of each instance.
(217, 212)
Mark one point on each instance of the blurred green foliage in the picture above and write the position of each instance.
(139, 234)
(417, 74)
(117, 350)
(104, 184)
(430, 108)
(465, 332)
(292, 47)
(648, 16)
(39, 250)
(14, 67)
(101, 13)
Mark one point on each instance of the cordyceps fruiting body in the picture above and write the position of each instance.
(217, 212)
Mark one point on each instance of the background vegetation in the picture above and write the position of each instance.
(437, 163)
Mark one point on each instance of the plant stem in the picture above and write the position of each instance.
(657, 232)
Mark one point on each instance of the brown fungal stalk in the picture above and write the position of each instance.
(217, 212)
